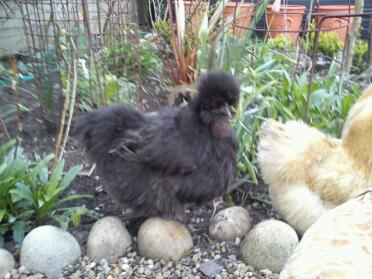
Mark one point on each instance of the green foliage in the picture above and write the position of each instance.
(4, 72)
(281, 42)
(328, 43)
(106, 67)
(259, 12)
(225, 51)
(202, 47)
(116, 90)
(122, 58)
(120, 90)
(221, 54)
(119, 67)
(270, 89)
(163, 31)
(360, 54)
(30, 196)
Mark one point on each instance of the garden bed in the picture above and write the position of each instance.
(36, 139)
(275, 83)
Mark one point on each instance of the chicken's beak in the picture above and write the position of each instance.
(227, 111)
(233, 111)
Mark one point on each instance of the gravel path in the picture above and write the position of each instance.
(216, 263)
(208, 259)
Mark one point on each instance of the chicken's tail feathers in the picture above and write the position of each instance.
(100, 129)
(298, 205)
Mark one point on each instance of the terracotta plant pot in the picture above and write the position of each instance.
(242, 18)
(287, 21)
(196, 10)
(339, 25)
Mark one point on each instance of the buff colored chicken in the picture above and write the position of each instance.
(337, 246)
(308, 172)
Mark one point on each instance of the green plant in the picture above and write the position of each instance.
(119, 90)
(4, 73)
(270, 89)
(193, 47)
(281, 42)
(30, 196)
(116, 90)
(328, 42)
(121, 58)
(360, 54)
(221, 49)
(162, 29)
(259, 76)
(104, 66)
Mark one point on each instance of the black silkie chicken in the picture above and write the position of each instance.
(156, 164)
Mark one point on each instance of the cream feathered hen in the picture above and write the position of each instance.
(309, 172)
(337, 246)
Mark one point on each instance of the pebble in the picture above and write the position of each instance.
(237, 241)
(92, 265)
(232, 257)
(104, 263)
(141, 270)
(210, 268)
(99, 189)
(157, 266)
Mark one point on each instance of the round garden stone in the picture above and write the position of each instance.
(164, 239)
(7, 262)
(269, 245)
(48, 249)
(108, 239)
(230, 223)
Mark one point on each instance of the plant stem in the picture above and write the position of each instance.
(353, 32)
(370, 43)
(60, 132)
(4, 128)
(71, 110)
(15, 88)
(61, 127)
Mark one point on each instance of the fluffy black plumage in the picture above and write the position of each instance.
(155, 164)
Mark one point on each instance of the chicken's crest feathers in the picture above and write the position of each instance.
(216, 89)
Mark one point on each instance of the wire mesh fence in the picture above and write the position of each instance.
(99, 40)
(82, 45)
